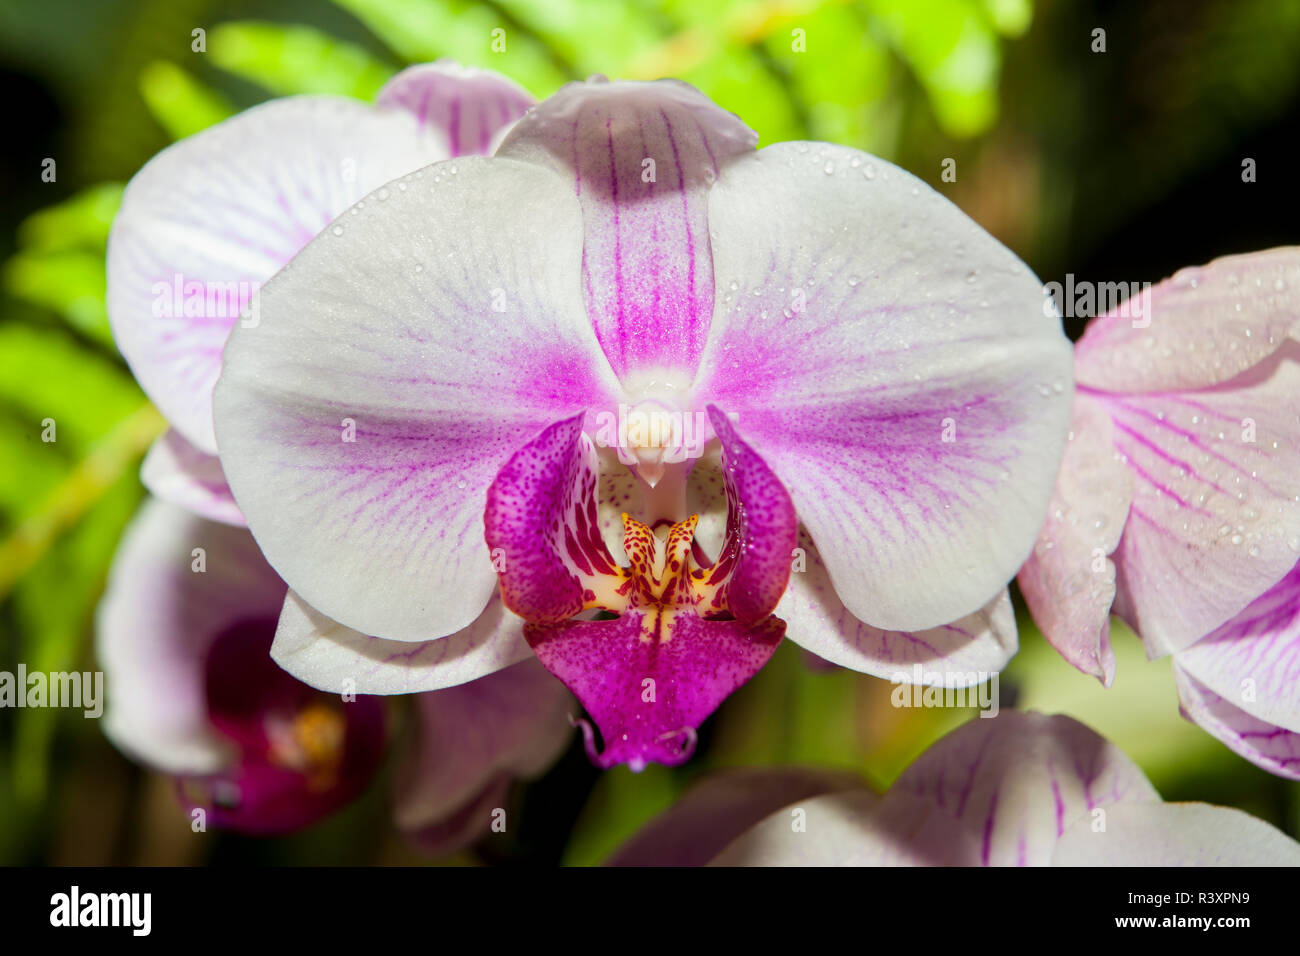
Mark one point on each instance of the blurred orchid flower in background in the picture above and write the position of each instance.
(193, 693)
(184, 632)
(630, 331)
(1179, 499)
(472, 742)
(1021, 789)
(212, 217)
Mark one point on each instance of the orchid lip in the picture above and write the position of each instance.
(689, 629)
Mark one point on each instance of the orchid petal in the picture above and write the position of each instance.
(641, 158)
(1018, 781)
(1069, 580)
(1254, 659)
(387, 326)
(464, 108)
(326, 655)
(471, 741)
(1176, 834)
(995, 792)
(211, 218)
(1201, 328)
(1264, 744)
(719, 809)
(1214, 520)
(762, 528)
(852, 352)
(841, 829)
(541, 523)
(158, 620)
(817, 620)
(176, 471)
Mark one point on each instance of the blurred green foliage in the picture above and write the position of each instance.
(907, 79)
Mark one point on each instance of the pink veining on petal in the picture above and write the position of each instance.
(642, 158)
(466, 106)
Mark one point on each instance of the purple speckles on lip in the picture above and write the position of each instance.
(649, 683)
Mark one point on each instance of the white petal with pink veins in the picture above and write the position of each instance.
(400, 360)
(1176, 834)
(1262, 742)
(331, 657)
(211, 218)
(1214, 521)
(898, 368)
(1254, 659)
(962, 653)
(463, 108)
(176, 471)
(1200, 328)
(1069, 580)
(640, 158)
(995, 792)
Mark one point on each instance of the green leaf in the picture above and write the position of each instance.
(594, 35)
(287, 60)
(953, 49)
(621, 803)
(418, 31)
(844, 104)
(54, 610)
(44, 373)
(81, 221)
(71, 283)
(1010, 17)
(181, 104)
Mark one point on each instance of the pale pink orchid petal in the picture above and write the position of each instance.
(1200, 380)
(961, 653)
(1201, 328)
(406, 353)
(464, 108)
(897, 367)
(176, 471)
(712, 813)
(1176, 834)
(1262, 742)
(328, 656)
(1214, 520)
(211, 218)
(157, 621)
(1069, 580)
(640, 158)
(842, 829)
(995, 792)
(1254, 659)
(470, 742)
